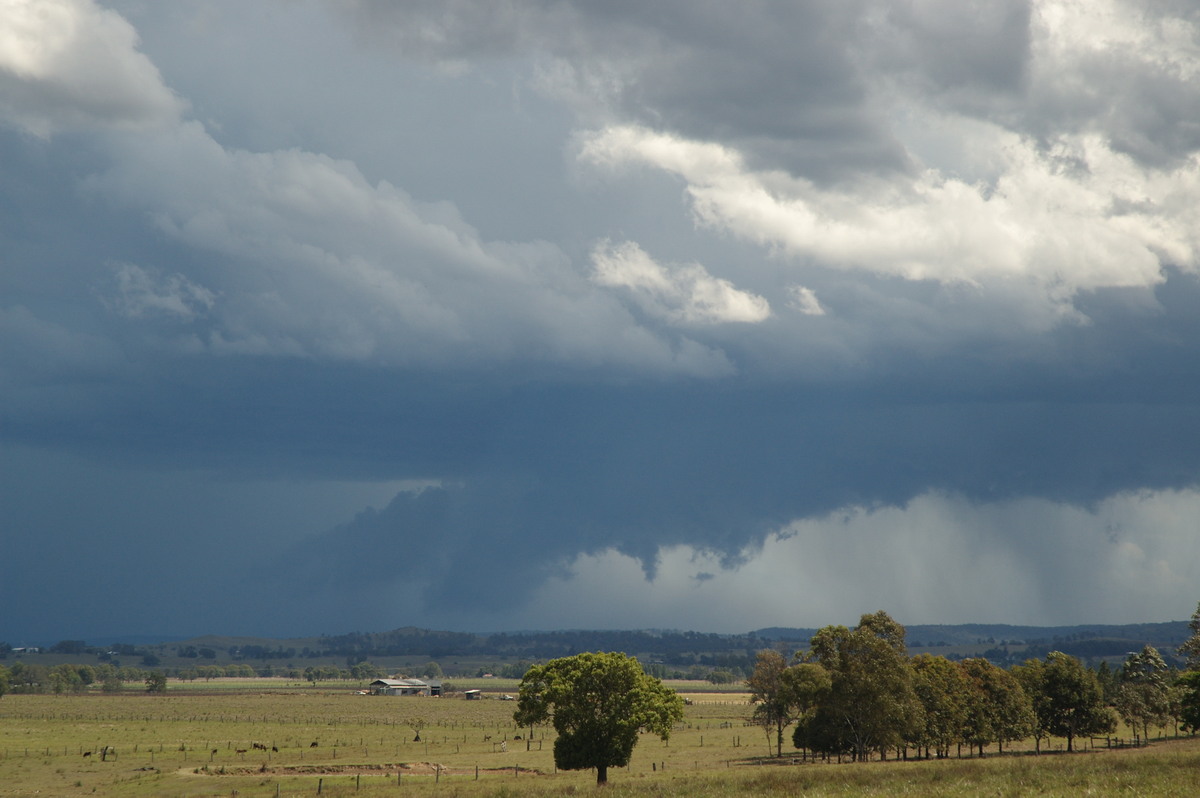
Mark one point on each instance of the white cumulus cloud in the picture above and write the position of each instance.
(70, 63)
(804, 300)
(684, 293)
(1055, 231)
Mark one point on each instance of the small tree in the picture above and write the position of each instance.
(110, 680)
(64, 678)
(156, 682)
(784, 693)
(1144, 694)
(768, 691)
(598, 703)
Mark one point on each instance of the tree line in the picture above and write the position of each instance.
(857, 693)
(23, 677)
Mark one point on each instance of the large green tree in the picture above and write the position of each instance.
(1143, 696)
(946, 695)
(1032, 676)
(1070, 702)
(1000, 711)
(871, 704)
(598, 703)
(1188, 688)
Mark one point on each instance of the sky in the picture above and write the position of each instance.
(325, 316)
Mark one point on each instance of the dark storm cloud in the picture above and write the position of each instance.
(571, 291)
(963, 52)
(583, 470)
(779, 80)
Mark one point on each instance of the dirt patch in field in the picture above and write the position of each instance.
(411, 768)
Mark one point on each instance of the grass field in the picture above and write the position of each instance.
(190, 742)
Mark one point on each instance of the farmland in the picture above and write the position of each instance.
(254, 739)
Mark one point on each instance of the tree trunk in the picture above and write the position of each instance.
(601, 775)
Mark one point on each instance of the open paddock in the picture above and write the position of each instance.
(304, 741)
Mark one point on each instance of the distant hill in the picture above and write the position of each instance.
(1170, 632)
(1001, 643)
(1008, 644)
(681, 654)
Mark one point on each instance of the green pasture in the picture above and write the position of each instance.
(186, 742)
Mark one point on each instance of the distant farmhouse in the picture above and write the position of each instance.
(431, 687)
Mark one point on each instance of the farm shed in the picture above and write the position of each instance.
(406, 687)
(473, 695)
(399, 687)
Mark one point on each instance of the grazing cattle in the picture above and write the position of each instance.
(241, 751)
(214, 752)
(87, 753)
(258, 746)
(276, 750)
(313, 744)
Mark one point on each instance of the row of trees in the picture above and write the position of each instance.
(857, 692)
(23, 677)
(31, 678)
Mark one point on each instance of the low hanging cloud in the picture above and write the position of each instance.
(938, 557)
(684, 294)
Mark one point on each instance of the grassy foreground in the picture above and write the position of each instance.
(193, 743)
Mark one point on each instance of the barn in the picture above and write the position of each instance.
(406, 687)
